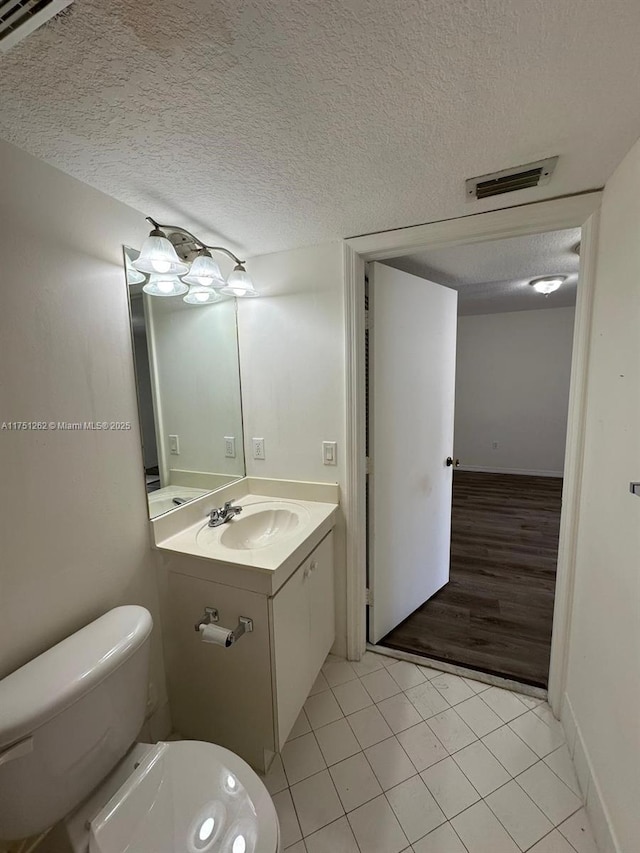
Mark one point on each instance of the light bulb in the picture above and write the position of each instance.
(160, 266)
(165, 285)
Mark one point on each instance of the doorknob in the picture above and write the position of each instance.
(451, 461)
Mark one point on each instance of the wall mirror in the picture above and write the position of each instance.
(188, 383)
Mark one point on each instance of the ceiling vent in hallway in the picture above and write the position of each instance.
(509, 180)
(19, 18)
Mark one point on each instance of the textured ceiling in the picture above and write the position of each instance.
(280, 123)
(494, 276)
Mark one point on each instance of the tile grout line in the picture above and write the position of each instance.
(402, 691)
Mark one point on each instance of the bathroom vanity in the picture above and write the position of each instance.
(272, 564)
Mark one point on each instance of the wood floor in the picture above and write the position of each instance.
(495, 614)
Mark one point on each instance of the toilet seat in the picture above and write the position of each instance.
(188, 797)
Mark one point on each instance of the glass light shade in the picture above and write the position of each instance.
(158, 256)
(547, 285)
(165, 285)
(133, 276)
(239, 283)
(201, 295)
(204, 272)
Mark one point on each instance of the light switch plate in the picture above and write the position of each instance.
(230, 446)
(330, 452)
(174, 445)
(258, 448)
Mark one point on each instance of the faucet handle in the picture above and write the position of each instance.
(227, 504)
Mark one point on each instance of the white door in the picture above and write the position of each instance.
(412, 391)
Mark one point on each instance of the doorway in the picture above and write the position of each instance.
(573, 212)
(487, 603)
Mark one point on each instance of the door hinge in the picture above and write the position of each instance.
(367, 319)
(369, 597)
(369, 465)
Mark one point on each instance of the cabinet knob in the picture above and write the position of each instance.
(314, 565)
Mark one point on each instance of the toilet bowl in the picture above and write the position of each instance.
(185, 796)
(67, 752)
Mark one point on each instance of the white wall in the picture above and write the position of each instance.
(293, 375)
(73, 514)
(197, 381)
(512, 387)
(602, 707)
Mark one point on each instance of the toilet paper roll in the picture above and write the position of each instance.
(216, 635)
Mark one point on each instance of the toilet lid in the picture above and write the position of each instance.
(190, 797)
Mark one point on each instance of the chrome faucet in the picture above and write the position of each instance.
(221, 515)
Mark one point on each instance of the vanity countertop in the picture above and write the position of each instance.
(257, 549)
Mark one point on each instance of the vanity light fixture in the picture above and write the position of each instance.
(200, 294)
(239, 283)
(133, 276)
(158, 256)
(547, 284)
(165, 285)
(204, 271)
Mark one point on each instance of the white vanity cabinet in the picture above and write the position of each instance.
(302, 633)
(246, 697)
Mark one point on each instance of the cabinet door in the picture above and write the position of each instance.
(303, 633)
(291, 649)
(320, 590)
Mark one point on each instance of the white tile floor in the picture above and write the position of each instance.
(390, 757)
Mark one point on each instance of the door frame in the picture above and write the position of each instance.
(577, 211)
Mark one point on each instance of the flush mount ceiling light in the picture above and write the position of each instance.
(165, 285)
(547, 284)
(158, 256)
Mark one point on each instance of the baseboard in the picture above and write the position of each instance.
(603, 830)
(526, 472)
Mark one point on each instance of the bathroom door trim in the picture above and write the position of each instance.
(577, 211)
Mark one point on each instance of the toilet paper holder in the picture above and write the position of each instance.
(211, 617)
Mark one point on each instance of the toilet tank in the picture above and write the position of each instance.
(67, 718)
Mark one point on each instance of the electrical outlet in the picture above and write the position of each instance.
(174, 445)
(258, 448)
(494, 445)
(329, 453)
(230, 446)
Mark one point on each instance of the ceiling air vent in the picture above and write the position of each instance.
(18, 18)
(509, 180)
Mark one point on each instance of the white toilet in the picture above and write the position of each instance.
(68, 722)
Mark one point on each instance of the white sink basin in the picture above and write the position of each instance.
(260, 525)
